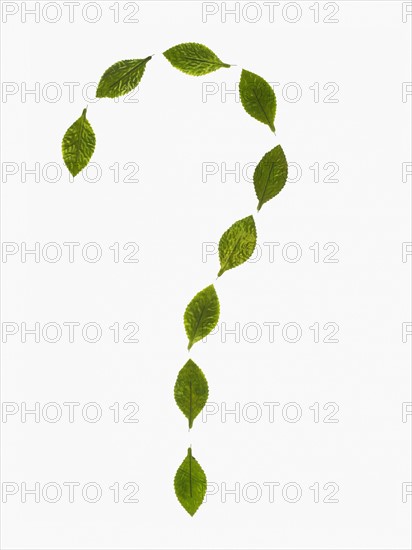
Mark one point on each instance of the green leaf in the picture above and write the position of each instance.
(190, 484)
(194, 59)
(191, 390)
(237, 244)
(201, 315)
(270, 175)
(122, 77)
(258, 98)
(78, 145)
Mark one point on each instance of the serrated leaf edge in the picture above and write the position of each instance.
(269, 123)
(190, 419)
(191, 457)
(191, 343)
(261, 202)
(142, 62)
(223, 268)
(219, 64)
(83, 119)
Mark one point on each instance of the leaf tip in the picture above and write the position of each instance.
(73, 172)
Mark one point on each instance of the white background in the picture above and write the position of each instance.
(170, 212)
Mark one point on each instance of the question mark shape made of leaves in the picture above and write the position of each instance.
(236, 244)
